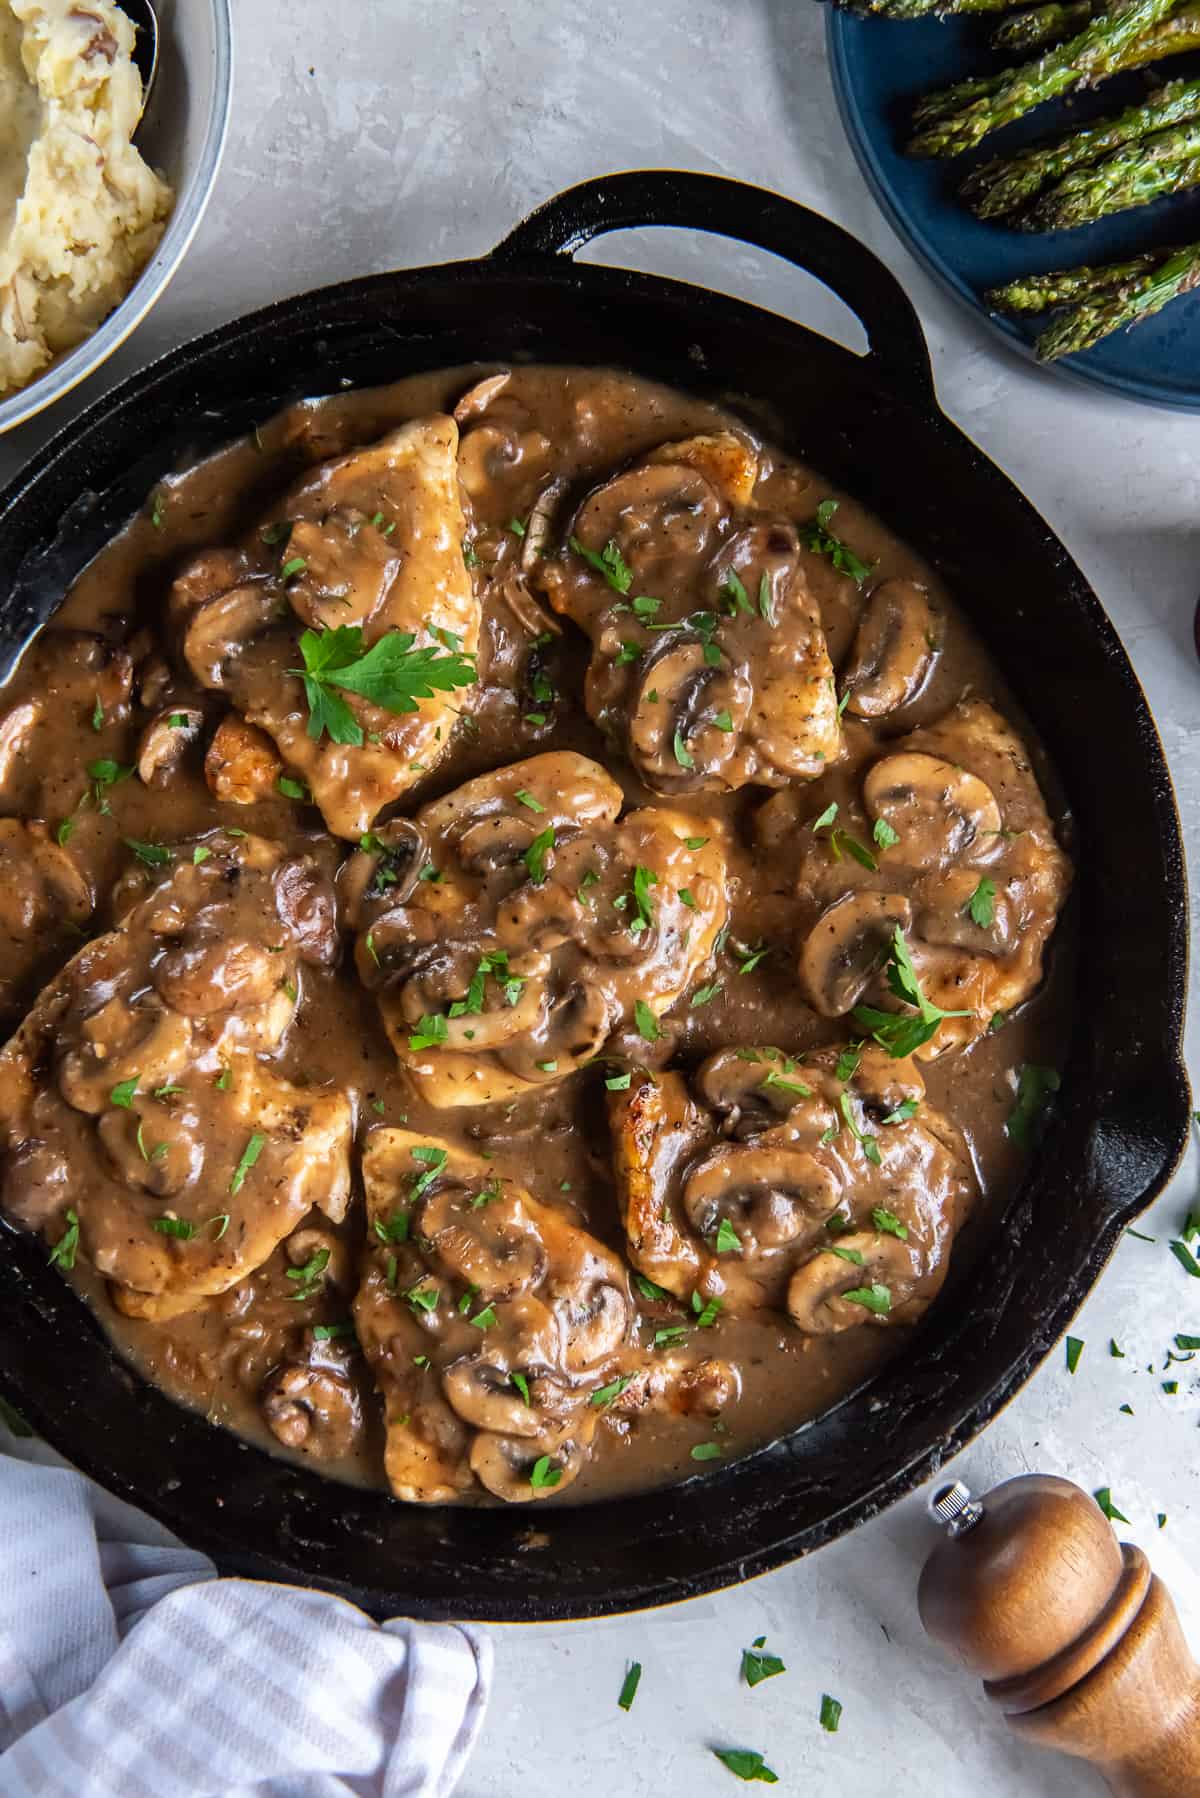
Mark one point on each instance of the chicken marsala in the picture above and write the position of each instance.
(531, 935)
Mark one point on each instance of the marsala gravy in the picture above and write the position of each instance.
(554, 1142)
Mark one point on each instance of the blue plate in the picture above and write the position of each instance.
(879, 68)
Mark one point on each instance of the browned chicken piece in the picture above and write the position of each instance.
(372, 540)
(241, 766)
(489, 1321)
(514, 926)
(137, 1121)
(91, 681)
(967, 866)
(709, 661)
(44, 903)
(757, 1181)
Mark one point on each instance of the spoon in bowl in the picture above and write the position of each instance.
(145, 49)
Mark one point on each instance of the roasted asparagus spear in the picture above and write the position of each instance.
(1067, 286)
(1113, 41)
(1167, 162)
(1039, 25)
(1096, 317)
(1008, 183)
(920, 9)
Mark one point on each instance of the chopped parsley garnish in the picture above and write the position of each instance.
(392, 675)
(648, 1289)
(430, 1033)
(154, 1154)
(309, 1278)
(516, 527)
(781, 1084)
(683, 754)
(687, 897)
(535, 855)
(847, 1063)
(544, 1474)
(706, 1451)
(723, 721)
(888, 1224)
(433, 1160)
(610, 564)
(122, 1093)
(728, 1240)
(704, 995)
(277, 532)
(250, 1155)
(748, 959)
(630, 1685)
(223, 1080)
(735, 595)
(1074, 1350)
(422, 1297)
(868, 1142)
(981, 906)
(292, 789)
(876, 1298)
(63, 1252)
(167, 1092)
(97, 715)
(175, 1226)
(485, 1319)
(673, 1333)
(897, 1032)
(158, 509)
(528, 800)
(854, 1256)
(155, 855)
(628, 652)
(295, 565)
(831, 1713)
(1104, 1499)
(906, 1109)
(757, 1666)
(766, 605)
(64, 833)
(647, 1023)
(618, 1083)
(522, 1385)
(393, 1229)
(827, 818)
(605, 1395)
(331, 1332)
(706, 1314)
(747, 1764)
(1027, 1120)
(694, 842)
(885, 837)
(200, 854)
(643, 910)
(818, 536)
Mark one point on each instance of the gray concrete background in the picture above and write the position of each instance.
(398, 132)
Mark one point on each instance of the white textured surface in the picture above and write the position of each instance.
(407, 133)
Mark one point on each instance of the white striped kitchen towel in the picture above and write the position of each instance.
(129, 1670)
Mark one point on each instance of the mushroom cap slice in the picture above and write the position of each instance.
(686, 717)
(491, 1245)
(845, 949)
(816, 1298)
(940, 812)
(770, 1194)
(894, 650)
(505, 1464)
(663, 517)
(944, 913)
(484, 1396)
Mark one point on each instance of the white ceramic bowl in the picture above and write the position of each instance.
(183, 134)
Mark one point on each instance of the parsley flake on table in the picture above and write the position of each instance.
(629, 1685)
(392, 674)
(1074, 1350)
(747, 1764)
(1104, 1499)
(757, 1666)
(1186, 1259)
(831, 1713)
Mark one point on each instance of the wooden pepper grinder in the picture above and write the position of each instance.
(1075, 1638)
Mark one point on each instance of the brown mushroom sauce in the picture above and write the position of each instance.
(606, 1208)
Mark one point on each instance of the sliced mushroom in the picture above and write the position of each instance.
(16, 728)
(525, 609)
(658, 514)
(737, 1083)
(312, 1408)
(163, 742)
(208, 972)
(155, 1155)
(242, 765)
(674, 734)
(120, 1042)
(484, 1395)
(894, 650)
(706, 1389)
(847, 946)
(595, 1317)
(939, 811)
(537, 535)
(816, 1301)
(306, 907)
(445, 980)
(505, 1464)
(886, 1082)
(337, 1268)
(774, 1194)
(218, 630)
(944, 916)
(476, 400)
(385, 874)
(488, 1241)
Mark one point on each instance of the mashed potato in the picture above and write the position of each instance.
(80, 212)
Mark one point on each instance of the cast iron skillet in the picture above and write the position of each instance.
(872, 424)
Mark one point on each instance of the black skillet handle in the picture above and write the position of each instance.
(753, 215)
